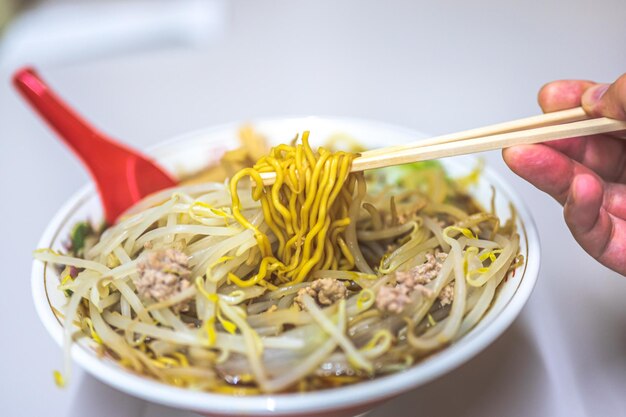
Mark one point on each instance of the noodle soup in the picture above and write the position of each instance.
(421, 267)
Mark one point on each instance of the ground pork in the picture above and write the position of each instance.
(324, 291)
(447, 294)
(424, 273)
(394, 299)
(162, 274)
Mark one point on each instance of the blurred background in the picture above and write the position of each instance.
(146, 70)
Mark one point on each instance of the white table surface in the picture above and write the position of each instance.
(436, 66)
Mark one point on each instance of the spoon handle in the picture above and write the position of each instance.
(79, 135)
(123, 176)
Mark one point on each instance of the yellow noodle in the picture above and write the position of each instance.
(307, 209)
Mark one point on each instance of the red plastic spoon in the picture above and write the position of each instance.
(123, 176)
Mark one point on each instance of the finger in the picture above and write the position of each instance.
(589, 223)
(560, 95)
(594, 212)
(553, 172)
(615, 199)
(608, 100)
(613, 254)
(563, 94)
(587, 194)
(604, 154)
(542, 166)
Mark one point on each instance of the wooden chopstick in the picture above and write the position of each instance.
(541, 128)
(488, 143)
(548, 119)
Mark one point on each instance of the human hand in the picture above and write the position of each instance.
(586, 175)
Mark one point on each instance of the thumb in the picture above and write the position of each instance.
(608, 100)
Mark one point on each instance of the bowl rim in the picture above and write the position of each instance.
(350, 396)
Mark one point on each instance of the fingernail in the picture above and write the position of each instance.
(596, 93)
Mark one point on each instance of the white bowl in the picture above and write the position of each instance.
(194, 151)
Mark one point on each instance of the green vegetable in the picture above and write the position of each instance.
(78, 235)
(418, 166)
